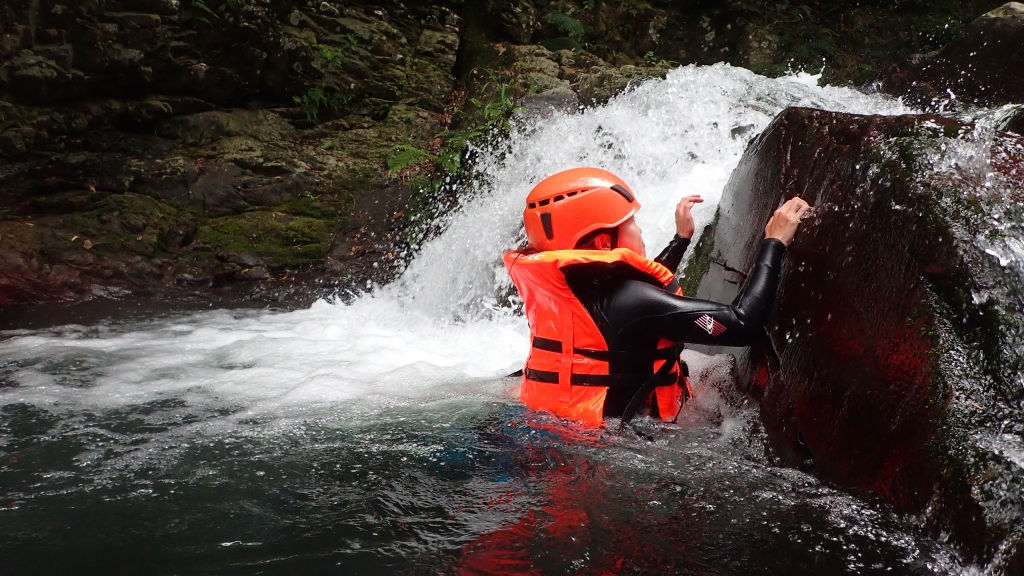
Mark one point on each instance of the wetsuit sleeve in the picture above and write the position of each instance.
(672, 255)
(636, 310)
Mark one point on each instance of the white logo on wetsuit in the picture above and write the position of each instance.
(710, 325)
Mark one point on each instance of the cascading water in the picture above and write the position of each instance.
(380, 435)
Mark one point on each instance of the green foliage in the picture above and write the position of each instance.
(329, 53)
(567, 24)
(406, 155)
(573, 28)
(338, 54)
(498, 110)
(317, 99)
(433, 173)
(448, 158)
(203, 12)
(639, 7)
(455, 141)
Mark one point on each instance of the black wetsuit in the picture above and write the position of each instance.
(633, 314)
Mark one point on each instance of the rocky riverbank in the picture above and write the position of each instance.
(239, 151)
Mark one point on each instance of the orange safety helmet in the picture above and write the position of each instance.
(569, 205)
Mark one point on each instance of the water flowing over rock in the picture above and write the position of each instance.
(893, 363)
(983, 66)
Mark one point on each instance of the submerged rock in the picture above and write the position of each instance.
(893, 362)
(983, 66)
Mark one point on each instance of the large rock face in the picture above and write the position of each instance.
(189, 148)
(158, 146)
(893, 362)
(983, 66)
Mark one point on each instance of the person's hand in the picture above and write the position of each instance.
(684, 219)
(784, 222)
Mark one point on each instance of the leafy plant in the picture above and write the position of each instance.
(573, 29)
(448, 157)
(455, 141)
(337, 54)
(639, 7)
(404, 156)
(565, 23)
(498, 110)
(204, 11)
(317, 99)
(434, 173)
(329, 53)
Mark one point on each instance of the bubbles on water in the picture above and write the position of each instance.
(271, 363)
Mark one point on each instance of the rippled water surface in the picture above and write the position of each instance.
(381, 437)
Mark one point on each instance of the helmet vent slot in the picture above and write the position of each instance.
(533, 204)
(622, 190)
(545, 221)
(559, 198)
(573, 193)
(544, 202)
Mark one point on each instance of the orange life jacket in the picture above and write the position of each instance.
(567, 369)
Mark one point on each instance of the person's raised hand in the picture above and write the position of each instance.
(684, 219)
(786, 219)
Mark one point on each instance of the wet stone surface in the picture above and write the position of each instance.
(982, 66)
(892, 364)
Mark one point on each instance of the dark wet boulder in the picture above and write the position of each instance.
(516, 20)
(1014, 121)
(893, 362)
(983, 66)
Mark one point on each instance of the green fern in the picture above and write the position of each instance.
(316, 98)
(201, 6)
(567, 24)
(406, 155)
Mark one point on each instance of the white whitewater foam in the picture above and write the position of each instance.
(668, 138)
(438, 331)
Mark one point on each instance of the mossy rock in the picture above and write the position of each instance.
(112, 223)
(282, 240)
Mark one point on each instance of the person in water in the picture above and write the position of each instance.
(606, 323)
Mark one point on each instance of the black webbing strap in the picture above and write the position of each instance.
(606, 380)
(547, 344)
(662, 377)
(621, 355)
(550, 345)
